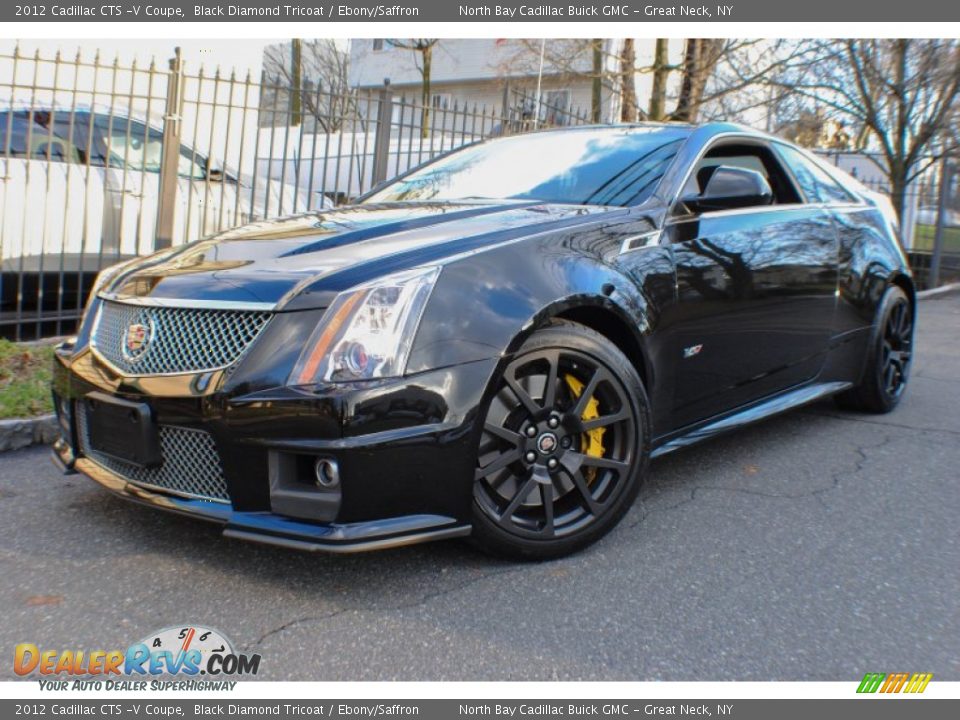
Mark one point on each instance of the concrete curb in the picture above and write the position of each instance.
(19, 433)
(937, 292)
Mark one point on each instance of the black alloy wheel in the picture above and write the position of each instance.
(896, 348)
(562, 446)
(887, 367)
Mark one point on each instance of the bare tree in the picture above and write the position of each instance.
(312, 86)
(424, 48)
(903, 93)
(728, 79)
(661, 69)
(296, 80)
(592, 59)
(700, 59)
(596, 86)
(813, 129)
(628, 81)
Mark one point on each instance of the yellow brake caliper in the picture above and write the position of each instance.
(592, 439)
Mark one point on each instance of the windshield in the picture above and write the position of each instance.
(597, 166)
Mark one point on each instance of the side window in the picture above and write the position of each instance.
(750, 157)
(87, 135)
(442, 101)
(13, 135)
(190, 166)
(37, 135)
(129, 144)
(816, 184)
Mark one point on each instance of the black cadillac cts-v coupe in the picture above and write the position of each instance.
(492, 345)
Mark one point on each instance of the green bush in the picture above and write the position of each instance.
(25, 372)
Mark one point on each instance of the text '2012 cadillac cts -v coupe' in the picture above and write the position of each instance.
(491, 345)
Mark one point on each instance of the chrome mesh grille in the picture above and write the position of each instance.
(191, 464)
(143, 340)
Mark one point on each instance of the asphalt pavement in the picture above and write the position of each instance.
(819, 545)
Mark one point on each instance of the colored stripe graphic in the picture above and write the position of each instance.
(871, 682)
(894, 682)
(918, 683)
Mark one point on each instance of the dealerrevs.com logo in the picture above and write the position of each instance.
(185, 651)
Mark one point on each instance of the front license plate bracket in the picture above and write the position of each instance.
(123, 430)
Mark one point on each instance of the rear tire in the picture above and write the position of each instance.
(887, 366)
(563, 447)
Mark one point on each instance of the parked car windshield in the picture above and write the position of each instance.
(596, 166)
(65, 136)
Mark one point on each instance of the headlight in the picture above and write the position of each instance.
(367, 331)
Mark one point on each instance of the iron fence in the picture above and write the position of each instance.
(931, 225)
(101, 161)
(930, 218)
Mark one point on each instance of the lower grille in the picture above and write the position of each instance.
(191, 464)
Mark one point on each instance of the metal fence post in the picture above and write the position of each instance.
(945, 172)
(170, 156)
(381, 141)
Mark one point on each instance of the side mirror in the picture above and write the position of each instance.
(729, 188)
(216, 174)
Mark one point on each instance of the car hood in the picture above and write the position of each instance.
(300, 262)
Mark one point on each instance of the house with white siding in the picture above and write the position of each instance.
(491, 72)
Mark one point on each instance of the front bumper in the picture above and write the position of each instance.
(269, 528)
(404, 449)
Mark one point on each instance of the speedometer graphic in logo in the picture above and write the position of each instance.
(181, 639)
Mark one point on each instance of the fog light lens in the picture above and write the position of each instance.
(327, 472)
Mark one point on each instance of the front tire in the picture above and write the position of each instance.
(563, 447)
(887, 367)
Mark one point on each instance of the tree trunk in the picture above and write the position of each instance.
(427, 56)
(898, 189)
(296, 80)
(661, 72)
(628, 95)
(699, 61)
(684, 102)
(596, 97)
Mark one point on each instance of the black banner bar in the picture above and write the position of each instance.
(853, 709)
(325, 11)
